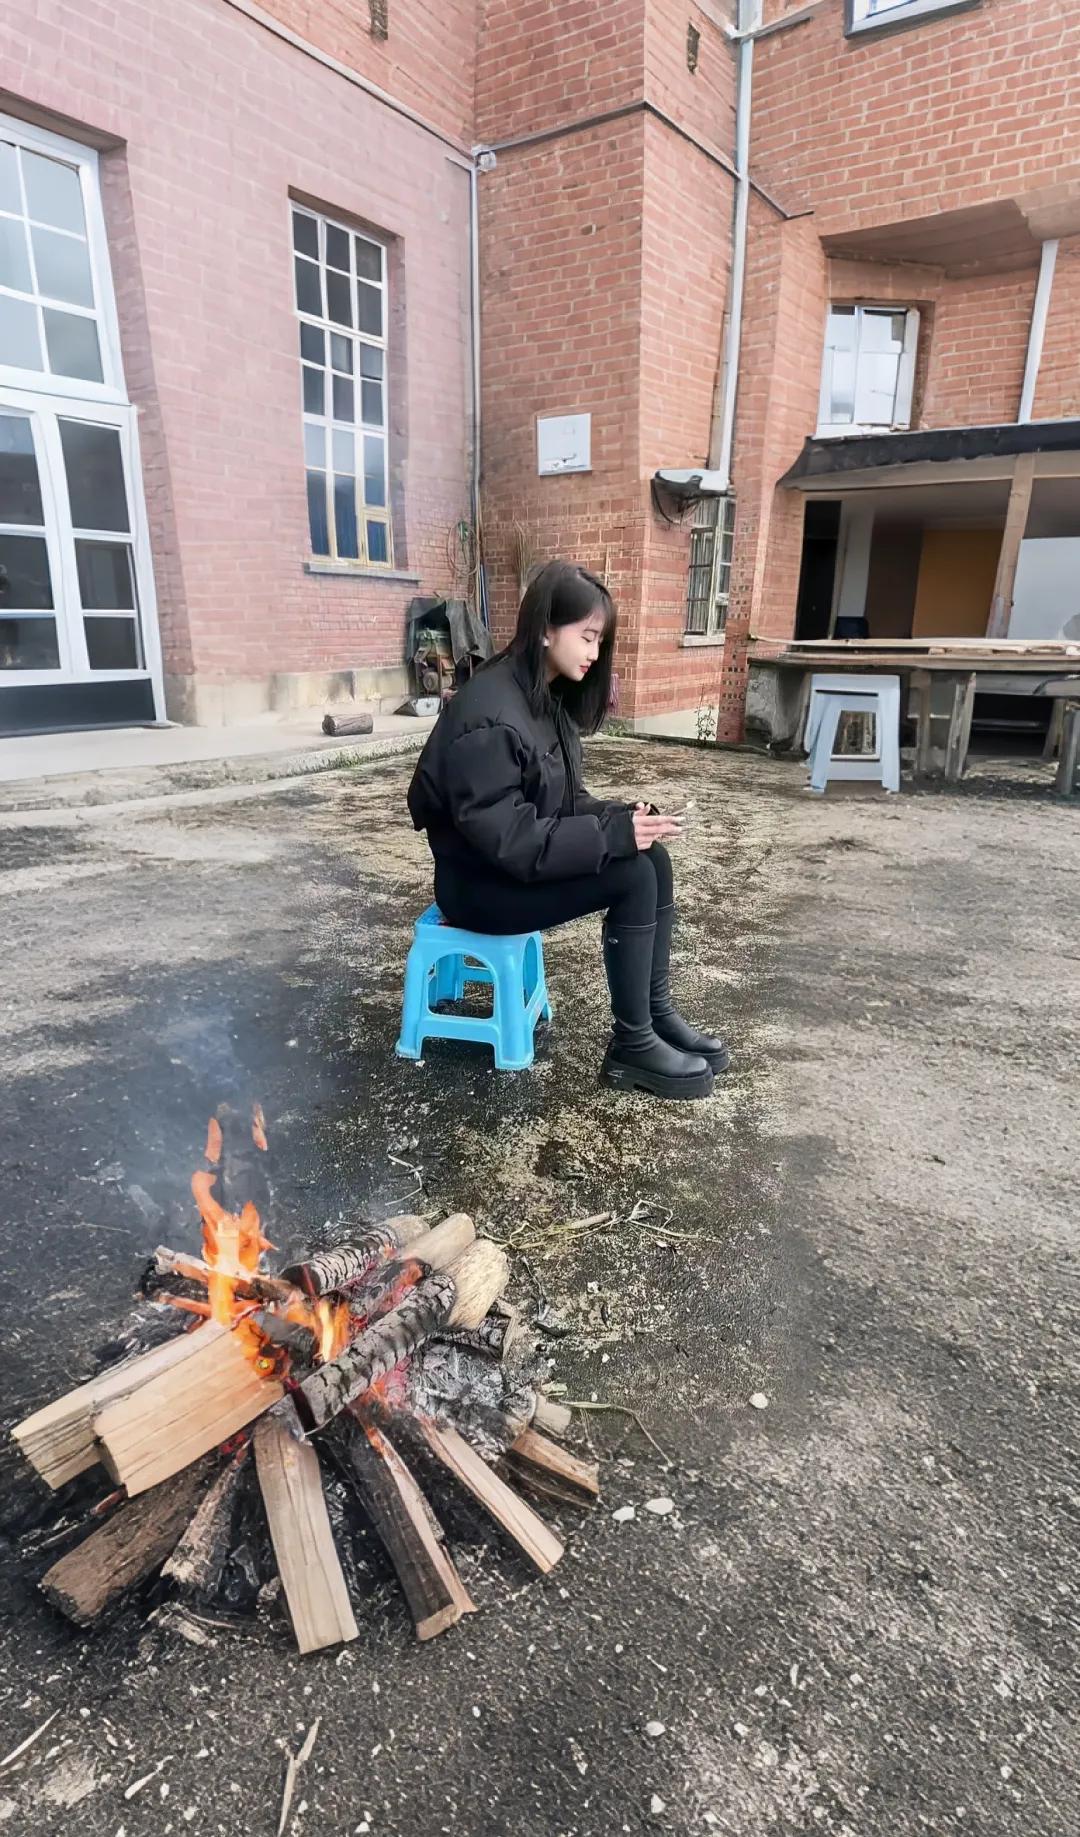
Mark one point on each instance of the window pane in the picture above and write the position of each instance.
(20, 490)
(14, 260)
(882, 331)
(348, 536)
(94, 465)
(20, 345)
(344, 444)
(9, 178)
(875, 394)
(371, 407)
(343, 399)
(28, 644)
(25, 582)
(106, 583)
(313, 343)
(371, 361)
(841, 332)
(374, 469)
(378, 545)
(369, 308)
(337, 247)
(368, 259)
(317, 523)
(63, 267)
(338, 298)
(308, 289)
(314, 444)
(113, 644)
(53, 192)
(842, 386)
(305, 234)
(341, 352)
(73, 346)
(314, 392)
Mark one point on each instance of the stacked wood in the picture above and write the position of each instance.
(291, 1486)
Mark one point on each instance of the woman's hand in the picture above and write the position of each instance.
(649, 828)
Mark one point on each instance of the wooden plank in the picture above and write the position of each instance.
(1054, 730)
(517, 1519)
(182, 1413)
(551, 1417)
(307, 1560)
(536, 1451)
(59, 1440)
(997, 625)
(408, 1529)
(921, 688)
(127, 1547)
(956, 746)
(1069, 761)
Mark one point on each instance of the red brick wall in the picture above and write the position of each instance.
(978, 350)
(948, 113)
(543, 63)
(427, 60)
(1058, 389)
(220, 120)
(703, 102)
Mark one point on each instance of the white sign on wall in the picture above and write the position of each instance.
(563, 443)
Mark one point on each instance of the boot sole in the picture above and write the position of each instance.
(675, 1090)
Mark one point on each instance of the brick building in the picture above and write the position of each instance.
(824, 256)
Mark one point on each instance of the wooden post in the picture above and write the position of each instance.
(997, 625)
(1065, 784)
(303, 1542)
(956, 747)
(921, 687)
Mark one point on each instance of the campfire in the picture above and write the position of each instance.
(248, 1402)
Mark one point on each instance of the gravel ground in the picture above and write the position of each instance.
(860, 1617)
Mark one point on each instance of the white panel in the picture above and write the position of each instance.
(1046, 598)
(563, 443)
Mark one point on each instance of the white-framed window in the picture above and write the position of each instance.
(868, 372)
(341, 300)
(864, 15)
(708, 582)
(57, 314)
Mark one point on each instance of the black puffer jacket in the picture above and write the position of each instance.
(498, 787)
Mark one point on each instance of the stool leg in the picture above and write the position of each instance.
(414, 1006)
(449, 979)
(514, 1045)
(824, 743)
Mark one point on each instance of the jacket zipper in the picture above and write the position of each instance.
(565, 751)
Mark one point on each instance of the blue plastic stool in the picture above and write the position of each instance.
(443, 959)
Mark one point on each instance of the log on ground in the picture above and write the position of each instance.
(407, 1527)
(128, 1547)
(307, 1559)
(518, 1520)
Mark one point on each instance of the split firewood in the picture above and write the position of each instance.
(183, 1412)
(128, 1547)
(257, 1287)
(199, 1557)
(59, 1439)
(303, 1542)
(517, 1519)
(535, 1453)
(549, 1417)
(407, 1527)
(331, 1270)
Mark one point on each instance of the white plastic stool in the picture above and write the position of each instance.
(832, 696)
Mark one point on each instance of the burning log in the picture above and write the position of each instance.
(199, 1558)
(183, 1411)
(303, 1541)
(332, 1270)
(59, 1440)
(410, 1532)
(517, 1519)
(127, 1548)
(538, 1456)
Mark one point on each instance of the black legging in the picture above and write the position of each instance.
(631, 891)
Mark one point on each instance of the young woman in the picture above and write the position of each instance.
(519, 844)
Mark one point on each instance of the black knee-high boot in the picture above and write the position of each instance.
(636, 1059)
(667, 1022)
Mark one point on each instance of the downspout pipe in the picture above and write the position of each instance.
(1040, 312)
(483, 160)
(722, 443)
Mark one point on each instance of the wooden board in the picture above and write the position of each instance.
(307, 1560)
(517, 1519)
(183, 1412)
(546, 1457)
(128, 1546)
(59, 1439)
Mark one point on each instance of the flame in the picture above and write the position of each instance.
(333, 1325)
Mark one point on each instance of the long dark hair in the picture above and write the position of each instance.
(562, 594)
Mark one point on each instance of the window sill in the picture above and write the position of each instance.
(349, 571)
(698, 641)
(855, 431)
(918, 12)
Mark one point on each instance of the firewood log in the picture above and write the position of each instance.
(550, 1417)
(335, 1269)
(307, 1560)
(183, 1412)
(200, 1555)
(517, 1519)
(376, 1351)
(480, 1275)
(409, 1531)
(126, 1548)
(534, 1452)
